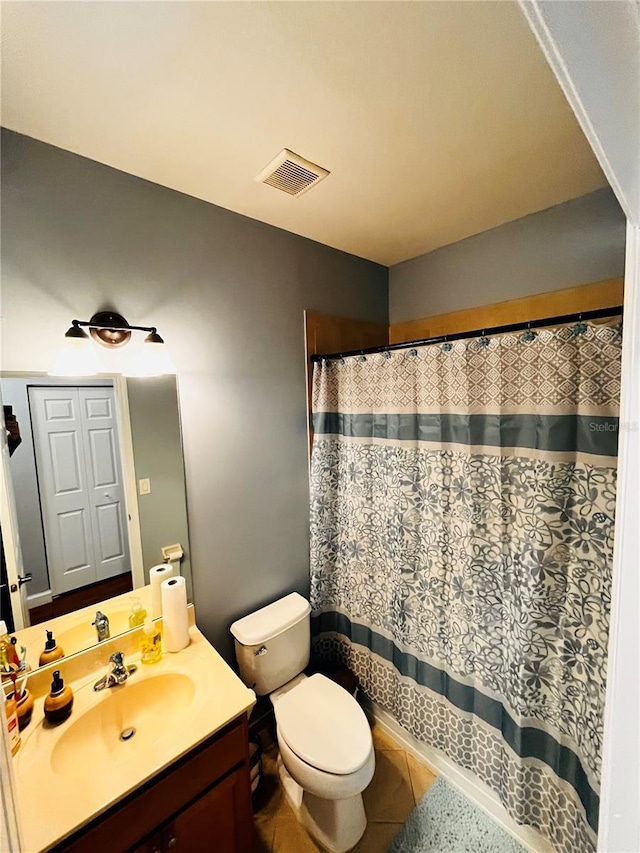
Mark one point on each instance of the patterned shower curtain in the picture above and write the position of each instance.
(462, 517)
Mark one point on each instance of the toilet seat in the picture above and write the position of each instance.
(324, 726)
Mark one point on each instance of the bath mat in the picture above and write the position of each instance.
(445, 821)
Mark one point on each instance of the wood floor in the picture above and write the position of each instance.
(83, 597)
(399, 783)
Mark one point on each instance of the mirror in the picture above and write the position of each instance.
(98, 478)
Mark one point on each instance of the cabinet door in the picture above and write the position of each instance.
(218, 821)
(151, 845)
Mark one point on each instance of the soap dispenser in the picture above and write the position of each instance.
(151, 645)
(58, 704)
(138, 614)
(52, 651)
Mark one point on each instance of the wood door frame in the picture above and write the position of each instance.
(129, 481)
(326, 333)
(11, 539)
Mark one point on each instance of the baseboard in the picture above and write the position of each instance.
(39, 598)
(470, 785)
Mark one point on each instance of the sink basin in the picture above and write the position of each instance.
(83, 635)
(127, 719)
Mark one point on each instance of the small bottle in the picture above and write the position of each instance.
(11, 712)
(52, 651)
(58, 704)
(7, 652)
(150, 644)
(138, 614)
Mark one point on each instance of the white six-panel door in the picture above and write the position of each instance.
(80, 484)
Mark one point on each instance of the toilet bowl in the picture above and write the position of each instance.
(326, 757)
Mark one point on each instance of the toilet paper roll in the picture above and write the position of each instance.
(175, 617)
(157, 574)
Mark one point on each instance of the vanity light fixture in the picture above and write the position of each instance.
(78, 356)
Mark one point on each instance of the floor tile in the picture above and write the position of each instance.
(381, 740)
(263, 835)
(377, 838)
(389, 797)
(421, 777)
(291, 837)
(399, 782)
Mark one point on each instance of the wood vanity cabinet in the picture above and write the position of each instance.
(201, 804)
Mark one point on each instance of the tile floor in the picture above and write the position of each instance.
(399, 782)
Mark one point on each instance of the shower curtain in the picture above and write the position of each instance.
(462, 516)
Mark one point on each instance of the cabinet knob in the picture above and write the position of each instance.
(173, 840)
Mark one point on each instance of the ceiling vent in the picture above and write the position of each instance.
(291, 173)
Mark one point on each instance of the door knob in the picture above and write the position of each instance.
(22, 579)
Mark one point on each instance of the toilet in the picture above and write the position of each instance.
(326, 755)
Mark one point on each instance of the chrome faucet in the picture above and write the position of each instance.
(118, 674)
(101, 624)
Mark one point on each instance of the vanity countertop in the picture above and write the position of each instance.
(74, 631)
(71, 773)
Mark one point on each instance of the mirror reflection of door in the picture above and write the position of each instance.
(80, 484)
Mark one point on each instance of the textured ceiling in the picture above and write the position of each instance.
(436, 120)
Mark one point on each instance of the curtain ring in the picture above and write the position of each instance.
(580, 327)
(528, 336)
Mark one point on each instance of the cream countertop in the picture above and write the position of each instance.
(65, 779)
(74, 631)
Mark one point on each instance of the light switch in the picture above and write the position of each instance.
(144, 486)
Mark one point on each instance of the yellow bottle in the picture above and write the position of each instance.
(151, 645)
(138, 614)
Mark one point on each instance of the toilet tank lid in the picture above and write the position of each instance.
(271, 620)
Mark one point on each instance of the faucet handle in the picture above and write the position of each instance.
(117, 659)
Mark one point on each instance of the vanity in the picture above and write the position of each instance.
(158, 763)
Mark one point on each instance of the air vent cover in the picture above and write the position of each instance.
(291, 173)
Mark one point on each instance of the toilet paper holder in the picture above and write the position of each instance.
(172, 553)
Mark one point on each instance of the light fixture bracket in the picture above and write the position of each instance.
(109, 329)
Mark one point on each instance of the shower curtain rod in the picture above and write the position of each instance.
(493, 330)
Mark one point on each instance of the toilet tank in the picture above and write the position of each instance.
(272, 644)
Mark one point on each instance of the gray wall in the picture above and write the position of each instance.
(227, 293)
(598, 65)
(157, 451)
(580, 241)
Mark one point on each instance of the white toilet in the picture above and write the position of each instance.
(326, 752)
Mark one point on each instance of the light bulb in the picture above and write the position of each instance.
(152, 359)
(77, 357)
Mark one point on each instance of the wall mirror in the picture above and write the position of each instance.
(97, 473)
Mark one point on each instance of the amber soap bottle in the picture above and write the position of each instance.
(58, 704)
(52, 651)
